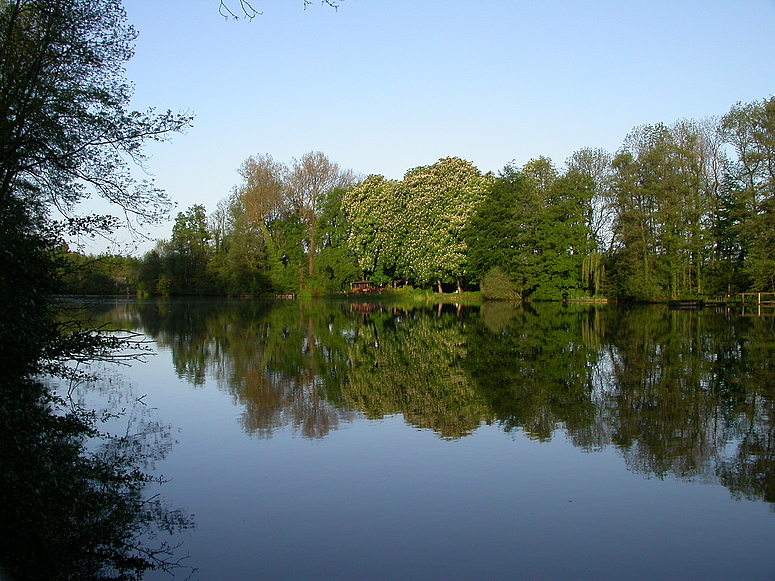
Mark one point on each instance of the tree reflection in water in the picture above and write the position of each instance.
(681, 394)
(76, 501)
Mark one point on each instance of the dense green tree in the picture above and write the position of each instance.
(750, 129)
(697, 150)
(288, 271)
(718, 238)
(274, 208)
(188, 253)
(661, 206)
(499, 233)
(240, 265)
(688, 220)
(760, 266)
(190, 233)
(563, 239)
(726, 268)
(150, 275)
(335, 264)
(534, 226)
(245, 250)
(595, 164)
(541, 174)
(100, 275)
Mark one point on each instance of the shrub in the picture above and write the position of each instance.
(497, 286)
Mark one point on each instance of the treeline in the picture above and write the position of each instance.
(679, 211)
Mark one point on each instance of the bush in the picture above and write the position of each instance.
(497, 286)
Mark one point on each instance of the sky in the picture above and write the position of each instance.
(382, 86)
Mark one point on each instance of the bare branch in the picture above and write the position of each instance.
(247, 10)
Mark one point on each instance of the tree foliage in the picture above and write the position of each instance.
(271, 235)
(65, 130)
(534, 227)
(415, 229)
(66, 133)
(440, 201)
(188, 253)
(750, 129)
(685, 215)
(307, 181)
(497, 286)
(375, 209)
(335, 264)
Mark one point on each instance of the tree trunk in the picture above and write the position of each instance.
(441, 290)
(311, 255)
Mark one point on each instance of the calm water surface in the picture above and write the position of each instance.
(353, 441)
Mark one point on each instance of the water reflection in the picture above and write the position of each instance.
(79, 502)
(685, 394)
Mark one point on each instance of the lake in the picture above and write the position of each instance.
(385, 441)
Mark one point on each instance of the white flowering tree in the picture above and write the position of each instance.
(376, 211)
(441, 199)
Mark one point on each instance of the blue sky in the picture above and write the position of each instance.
(383, 86)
